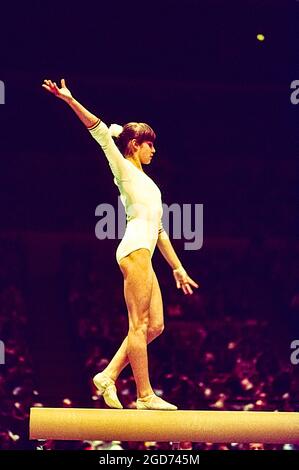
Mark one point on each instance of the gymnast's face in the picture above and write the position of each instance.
(145, 152)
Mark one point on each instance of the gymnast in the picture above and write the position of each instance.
(132, 148)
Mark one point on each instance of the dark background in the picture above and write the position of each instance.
(219, 101)
(217, 98)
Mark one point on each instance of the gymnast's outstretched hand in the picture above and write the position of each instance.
(63, 93)
(183, 281)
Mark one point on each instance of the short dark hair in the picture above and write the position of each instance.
(134, 130)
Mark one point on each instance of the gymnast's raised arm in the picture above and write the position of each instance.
(96, 127)
(88, 119)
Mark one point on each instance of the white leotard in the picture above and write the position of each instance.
(140, 196)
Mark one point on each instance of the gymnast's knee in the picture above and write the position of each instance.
(139, 328)
(155, 330)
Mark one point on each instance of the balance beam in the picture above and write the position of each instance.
(145, 425)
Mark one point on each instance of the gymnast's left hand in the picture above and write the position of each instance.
(183, 281)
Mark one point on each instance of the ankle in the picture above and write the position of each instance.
(111, 374)
(145, 395)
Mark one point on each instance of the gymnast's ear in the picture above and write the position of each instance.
(134, 145)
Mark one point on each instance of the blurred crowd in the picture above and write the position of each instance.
(223, 348)
(17, 383)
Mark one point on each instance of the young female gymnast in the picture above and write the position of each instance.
(141, 197)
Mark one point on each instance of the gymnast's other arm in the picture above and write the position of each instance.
(183, 281)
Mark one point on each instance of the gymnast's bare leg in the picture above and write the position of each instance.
(155, 328)
(145, 309)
